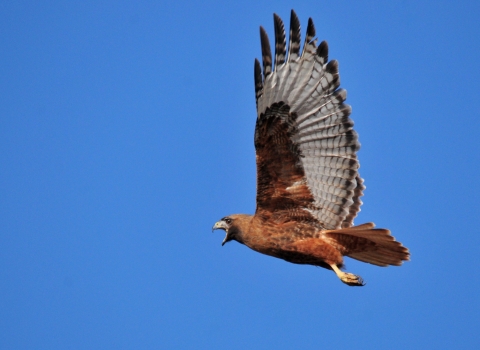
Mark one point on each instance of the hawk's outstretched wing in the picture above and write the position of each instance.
(307, 168)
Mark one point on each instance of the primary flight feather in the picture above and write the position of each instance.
(308, 185)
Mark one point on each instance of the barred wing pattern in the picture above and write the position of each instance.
(305, 143)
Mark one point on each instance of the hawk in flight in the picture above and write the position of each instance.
(308, 185)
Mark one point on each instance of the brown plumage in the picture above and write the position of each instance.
(308, 185)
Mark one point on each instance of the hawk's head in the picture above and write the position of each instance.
(233, 225)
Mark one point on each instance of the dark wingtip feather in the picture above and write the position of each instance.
(295, 36)
(322, 51)
(258, 79)
(266, 53)
(280, 43)
(310, 35)
(310, 31)
(332, 67)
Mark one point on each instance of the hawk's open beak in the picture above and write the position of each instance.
(221, 225)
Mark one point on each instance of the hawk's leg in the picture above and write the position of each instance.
(348, 278)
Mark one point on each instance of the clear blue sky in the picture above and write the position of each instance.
(126, 131)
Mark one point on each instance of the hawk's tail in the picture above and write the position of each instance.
(368, 244)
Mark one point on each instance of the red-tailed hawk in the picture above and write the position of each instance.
(308, 185)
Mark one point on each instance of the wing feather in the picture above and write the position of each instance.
(295, 37)
(266, 53)
(304, 138)
(280, 42)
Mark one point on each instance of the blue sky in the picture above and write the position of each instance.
(126, 131)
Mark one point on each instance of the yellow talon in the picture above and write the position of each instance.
(348, 278)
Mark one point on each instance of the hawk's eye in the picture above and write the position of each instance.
(228, 221)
